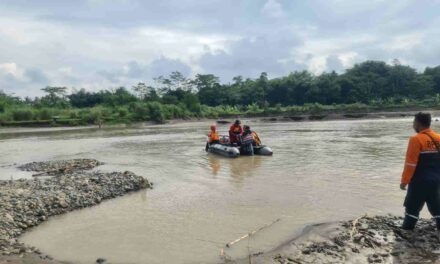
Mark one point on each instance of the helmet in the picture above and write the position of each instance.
(237, 122)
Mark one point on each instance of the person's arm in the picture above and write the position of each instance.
(411, 160)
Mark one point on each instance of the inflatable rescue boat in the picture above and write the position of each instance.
(234, 152)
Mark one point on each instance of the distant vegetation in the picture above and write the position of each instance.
(368, 86)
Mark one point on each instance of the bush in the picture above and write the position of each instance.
(192, 103)
(3, 118)
(176, 111)
(140, 111)
(44, 114)
(253, 109)
(356, 107)
(156, 112)
(73, 114)
(122, 112)
(88, 116)
(170, 99)
(22, 114)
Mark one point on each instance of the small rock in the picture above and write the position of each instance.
(100, 260)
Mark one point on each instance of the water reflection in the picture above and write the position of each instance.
(245, 166)
(214, 163)
(236, 169)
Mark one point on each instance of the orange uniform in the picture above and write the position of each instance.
(213, 136)
(418, 145)
(235, 132)
(256, 138)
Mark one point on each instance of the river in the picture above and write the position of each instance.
(320, 171)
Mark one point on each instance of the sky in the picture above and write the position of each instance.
(98, 44)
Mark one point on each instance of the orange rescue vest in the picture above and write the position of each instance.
(424, 143)
(256, 138)
(213, 136)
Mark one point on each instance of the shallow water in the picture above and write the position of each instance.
(321, 171)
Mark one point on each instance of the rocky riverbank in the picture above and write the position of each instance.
(376, 239)
(60, 167)
(26, 203)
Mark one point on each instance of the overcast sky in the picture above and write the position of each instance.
(98, 44)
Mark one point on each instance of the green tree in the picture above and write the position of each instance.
(422, 87)
(209, 90)
(175, 81)
(261, 89)
(56, 96)
(119, 96)
(435, 75)
(145, 93)
(83, 98)
(326, 90)
(192, 102)
(399, 80)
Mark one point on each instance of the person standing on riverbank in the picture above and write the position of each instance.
(422, 173)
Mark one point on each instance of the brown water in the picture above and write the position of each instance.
(321, 171)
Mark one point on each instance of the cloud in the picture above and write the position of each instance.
(272, 8)
(12, 78)
(135, 71)
(100, 44)
(333, 63)
(36, 75)
(252, 55)
(164, 66)
(10, 69)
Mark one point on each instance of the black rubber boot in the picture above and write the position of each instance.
(409, 223)
(437, 223)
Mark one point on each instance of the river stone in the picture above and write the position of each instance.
(26, 203)
(8, 218)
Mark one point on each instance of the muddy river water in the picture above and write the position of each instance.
(320, 171)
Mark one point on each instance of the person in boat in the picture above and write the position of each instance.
(422, 173)
(256, 139)
(213, 137)
(235, 132)
(247, 141)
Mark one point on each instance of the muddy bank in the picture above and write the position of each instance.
(26, 203)
(344, 116)
(376, 239)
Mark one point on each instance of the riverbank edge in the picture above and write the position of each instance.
(257, 118)
(26, 203)
(367, 239)
(321, 115)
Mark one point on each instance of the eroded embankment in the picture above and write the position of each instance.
(365, 240)
(26, 203)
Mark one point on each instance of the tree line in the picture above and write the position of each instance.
(363, 83)
(369, 82)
